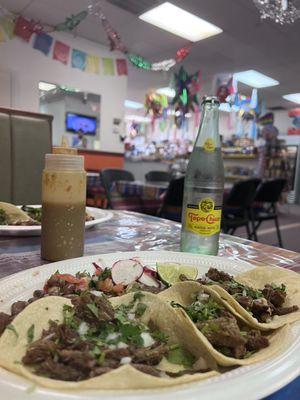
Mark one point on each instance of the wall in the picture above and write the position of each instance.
(28, 66)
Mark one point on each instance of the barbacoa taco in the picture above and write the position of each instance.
(266, 297)
(87, 342)
(226, 335)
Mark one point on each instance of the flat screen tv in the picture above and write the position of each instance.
(79, 122)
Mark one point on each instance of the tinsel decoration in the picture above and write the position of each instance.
(135, 59)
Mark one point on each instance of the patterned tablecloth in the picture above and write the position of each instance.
(128, 231)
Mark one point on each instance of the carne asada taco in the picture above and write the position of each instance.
(225, 334)
(266, 297)
(86, 343)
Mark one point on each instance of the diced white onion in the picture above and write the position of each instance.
(83, 328)
(96, 293)
(200, 364)
(113, 336)
(112, 346)
(122, 345)
(125, 360)
(148, 339)
(131, 316)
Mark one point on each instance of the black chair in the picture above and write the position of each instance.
(158, 176)
(236, 206)
(111, 175)
(268, 193)
(172, 205)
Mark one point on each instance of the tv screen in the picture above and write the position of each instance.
(78, 122)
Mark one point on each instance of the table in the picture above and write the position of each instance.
(128, 231)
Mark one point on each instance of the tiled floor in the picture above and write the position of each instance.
(289, 221)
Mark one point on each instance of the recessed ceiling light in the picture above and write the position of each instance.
(46, 86)
(166, 91)
(133, 104)
(255, 79)
(173, 19)
(294, 97)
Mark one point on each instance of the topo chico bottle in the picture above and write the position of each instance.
(204, 186)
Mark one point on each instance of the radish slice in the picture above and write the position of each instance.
(126, 271)
(148, 279)
(150, 271)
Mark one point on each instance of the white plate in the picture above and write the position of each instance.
(35, 230)
(247, 383)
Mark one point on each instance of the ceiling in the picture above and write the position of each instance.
(246, 42)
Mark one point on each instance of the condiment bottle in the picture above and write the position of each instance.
(63, 206)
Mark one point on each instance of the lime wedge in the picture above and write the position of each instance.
(169, 272)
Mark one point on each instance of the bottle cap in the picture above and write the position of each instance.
(64, 162)
(210, 99)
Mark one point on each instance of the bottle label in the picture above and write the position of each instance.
(209, 145)
(203, 218)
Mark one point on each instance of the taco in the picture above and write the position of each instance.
(266, 297)
(134, 342)
(226, 335)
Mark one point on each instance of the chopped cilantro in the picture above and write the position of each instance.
(132, 333)
(138, 296)
(140, 309)
(30, 334)
(101, 358)
(248, 354)
(69, 316)
(13, 329)
(160, 336)
(105, 274)
(181, 356)
(282, 287)
(93, 308)
(3, 217)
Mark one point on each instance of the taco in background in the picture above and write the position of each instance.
(226, 335)
(135, 342)
(266, 297)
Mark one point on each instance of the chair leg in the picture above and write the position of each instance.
(248, 231)
(278, 232)
(253, 233)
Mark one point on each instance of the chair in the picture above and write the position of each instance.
(25, 138)
(158, 176)
(172, 205)
(269, 193)
(236, 206)
(111, 175)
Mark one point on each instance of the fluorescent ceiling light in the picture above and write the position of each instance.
(46, 87)
(255, 79)
(133, 104)
(294, 97)
(137, 118)
(167, 91)
(173, 19)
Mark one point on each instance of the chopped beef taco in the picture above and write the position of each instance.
(226, 335)
(266, 297)
(88, 342)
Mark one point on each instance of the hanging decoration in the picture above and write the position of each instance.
(186, 94)
(71, 22)
(155, 104)
(135, 59)
(280, 11)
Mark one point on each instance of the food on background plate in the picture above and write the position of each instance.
(266, 297)
(25, 216)
(130, 342)
(229, 338)
(12, 215)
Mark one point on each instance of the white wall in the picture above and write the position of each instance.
(28, 66)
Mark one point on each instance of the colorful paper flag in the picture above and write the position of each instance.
(108, 66)
(9, 27)
(121, 66)
(2, 37)
(43, 43)
(92, 64)
(61, 52)
(78, 59)
(23, 28)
